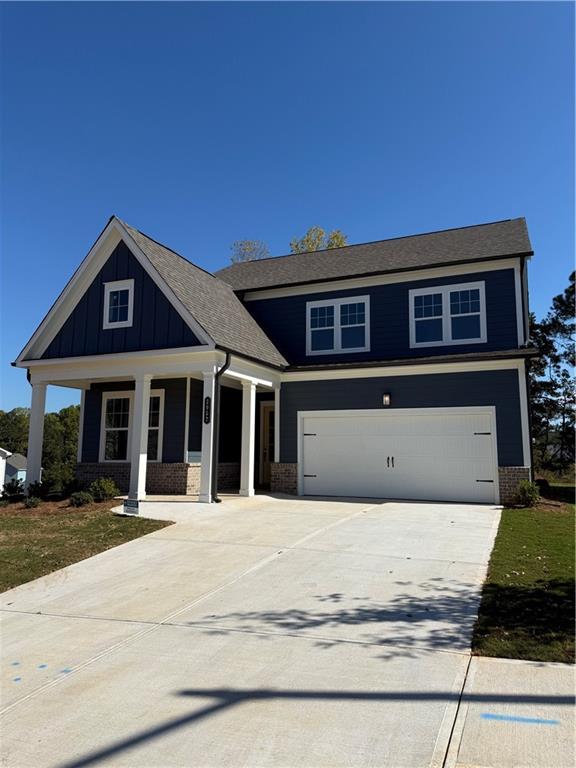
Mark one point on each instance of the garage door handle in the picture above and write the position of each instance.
(310, 475)
(484, 481)
(388, 461)
(482, 433)
(392, 462)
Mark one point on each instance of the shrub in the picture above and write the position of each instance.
(81, 499)
(104, 489)
(13, 490)
(31, 502)
(39, 490)
(527, 494)
(4, 503)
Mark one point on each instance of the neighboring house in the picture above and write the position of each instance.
(4, 454)
(16, 467)
(391, 369)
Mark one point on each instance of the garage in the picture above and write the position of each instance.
(436, 454)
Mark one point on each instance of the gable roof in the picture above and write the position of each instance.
(433, 249)
(17, 461)
(211, 302)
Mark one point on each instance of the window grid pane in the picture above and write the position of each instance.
(428, 305)
(118, 306)
(352, 314)
(322, 317)
(465, 302)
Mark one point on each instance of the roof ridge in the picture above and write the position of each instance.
(374, 242)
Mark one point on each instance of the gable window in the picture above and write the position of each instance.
(118, 304)
(115, 437)
(338, 325)
(450, 314)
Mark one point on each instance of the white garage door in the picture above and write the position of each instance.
(442, 454)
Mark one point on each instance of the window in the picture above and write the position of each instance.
(115, 439)
(451, 314)
(118, 304)
(338, 325)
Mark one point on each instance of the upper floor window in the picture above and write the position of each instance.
(449, 314)
(118, 304)
(338, 325)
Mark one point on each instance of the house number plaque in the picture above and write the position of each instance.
(207, 404)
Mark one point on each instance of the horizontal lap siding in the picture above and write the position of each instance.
(156, 324)
(174, 417)
(284, 319)
(498, 388)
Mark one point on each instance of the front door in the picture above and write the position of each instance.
(266, 441)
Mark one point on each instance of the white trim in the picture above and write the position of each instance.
(264, 405)
(129, 394)
(81, 426)
(355, 283)
(518, 302)
(36, 434)
(206, 460)
(402, 370)
(248, 438)
(445, 291)
(277, 423)
(523, 393)
(109, 288)
(489, 410)
(187, 420)
(337, 327)
(113, 233)
(139, 429)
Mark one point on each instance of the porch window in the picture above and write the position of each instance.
(115, 441)
(118, 304)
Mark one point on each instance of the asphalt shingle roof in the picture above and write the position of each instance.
(451, 246)
(17, 461)
(211, 302)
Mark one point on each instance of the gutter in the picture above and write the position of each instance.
(216, 425)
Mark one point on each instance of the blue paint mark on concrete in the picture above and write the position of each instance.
(518, 719)
(65, 671)
(42, 666)
(15, 664)
(17, 679)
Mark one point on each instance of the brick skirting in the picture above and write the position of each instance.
(228, 476)
(284, 478)
(509, 477)
(176, 479)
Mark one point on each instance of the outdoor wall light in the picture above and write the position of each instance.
(386, 398)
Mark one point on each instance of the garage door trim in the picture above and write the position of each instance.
(486, 410)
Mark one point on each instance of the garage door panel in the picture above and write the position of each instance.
(436, 456)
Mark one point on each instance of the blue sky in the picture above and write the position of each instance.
(201, 124)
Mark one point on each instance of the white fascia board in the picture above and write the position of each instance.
(524, 414)
(81, 280)
(354, 283)
(245, 370)
(518, 301)
(402, 370)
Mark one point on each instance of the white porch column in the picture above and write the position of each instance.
(36, 434)
(277, 423)
(207, 437)
(248, 438)
(81, 426)
(139, 438)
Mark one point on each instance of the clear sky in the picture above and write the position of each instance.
(201, 124)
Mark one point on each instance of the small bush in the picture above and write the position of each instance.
(527, 494)
(104, 489)
(38, 490)
(13, 490)
(31, 502)
(4, 503)
(81, 499)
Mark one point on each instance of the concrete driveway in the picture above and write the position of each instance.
(260, 632)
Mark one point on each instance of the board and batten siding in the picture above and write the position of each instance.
(156, 324)
(284, 319)
(445, 390)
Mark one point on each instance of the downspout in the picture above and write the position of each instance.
(529, 404)
(216, 442)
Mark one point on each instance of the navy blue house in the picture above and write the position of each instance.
(392, 369)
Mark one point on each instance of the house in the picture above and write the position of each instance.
(4, 454)
(16, 467)
(393, 369)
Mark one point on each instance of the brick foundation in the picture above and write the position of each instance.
(176, 479)
(284, 478)
(228, 476)
(509, 477)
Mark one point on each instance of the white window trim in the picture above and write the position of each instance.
(447, 339)
(129, 393)
(337, 303)
(118, 285)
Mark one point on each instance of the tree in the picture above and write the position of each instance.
(60, 446)
(14, 430)
(249, 250)
(316, 239)
(552, 389)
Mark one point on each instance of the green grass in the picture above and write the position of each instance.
(527, 608)
(38, 541)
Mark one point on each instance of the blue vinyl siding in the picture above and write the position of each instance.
(174, 417)
(498, 388)
(284, 319)
(156, 324)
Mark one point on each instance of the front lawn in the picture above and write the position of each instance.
(527, 608)
(34, 542)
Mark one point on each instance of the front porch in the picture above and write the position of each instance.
(188, 424)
